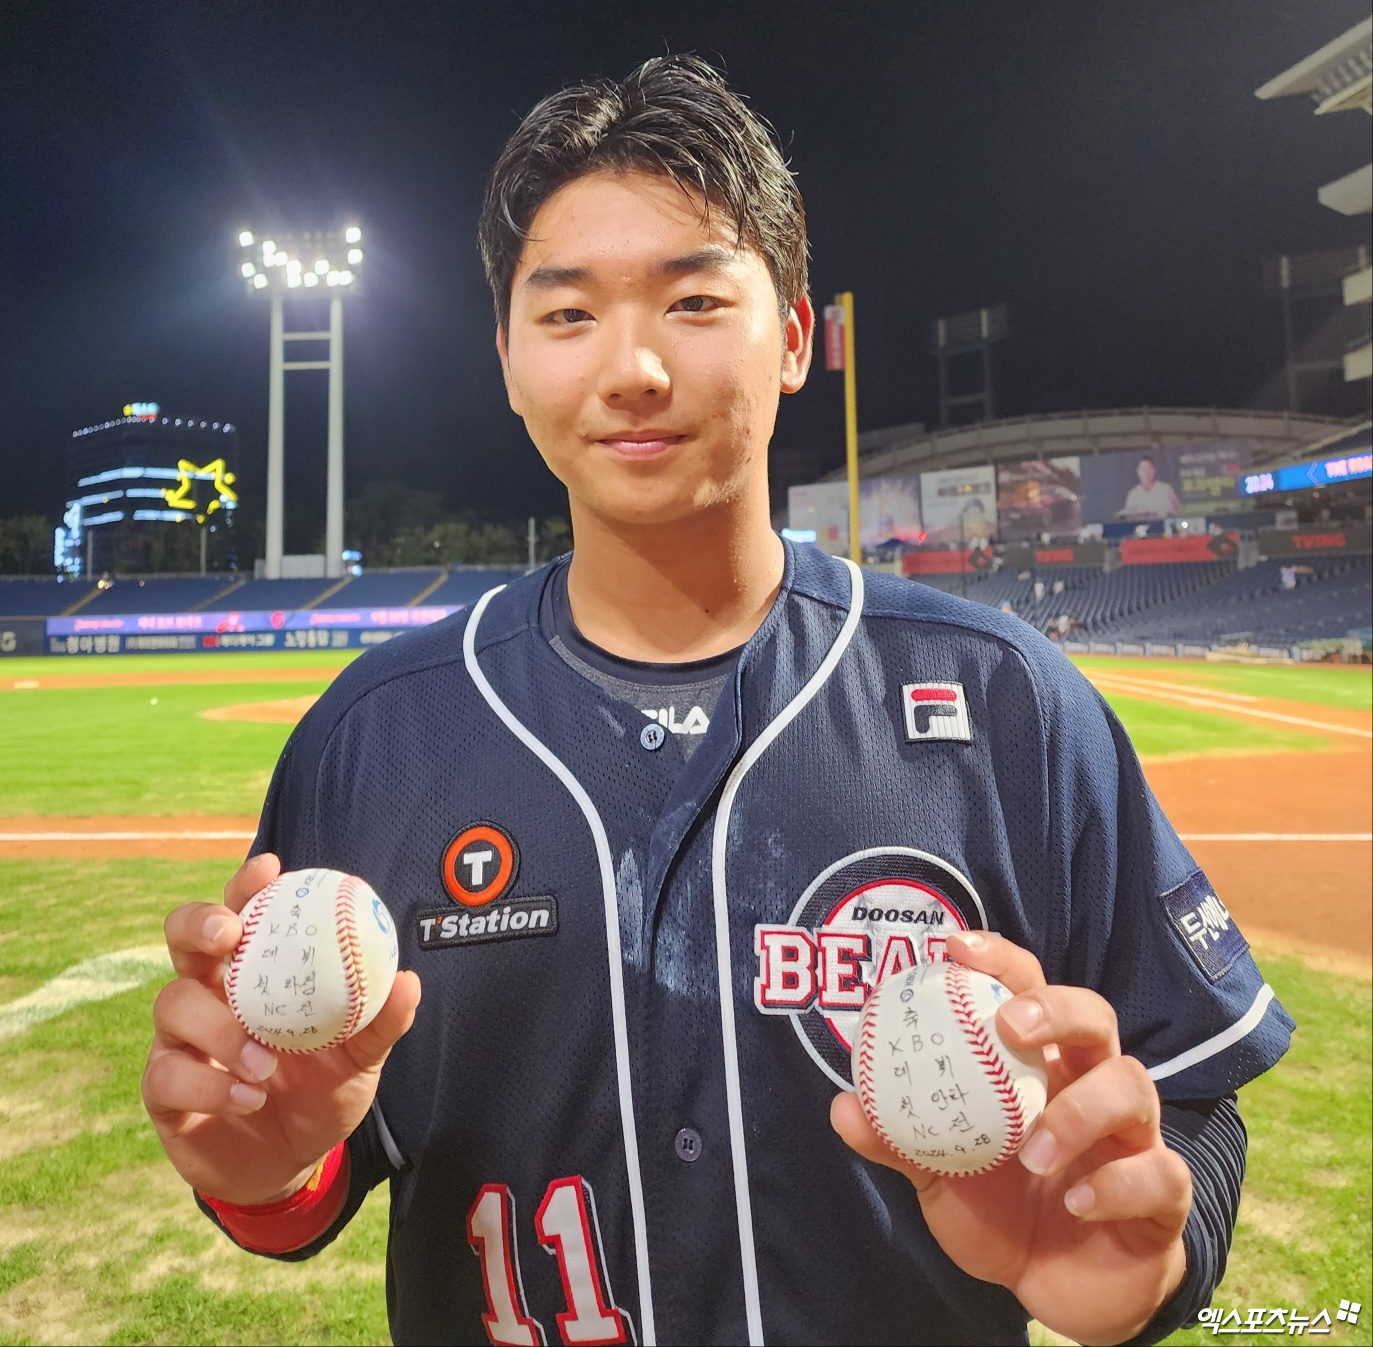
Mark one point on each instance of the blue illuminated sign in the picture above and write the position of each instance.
(1304, 476)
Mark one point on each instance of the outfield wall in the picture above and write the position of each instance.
(176, 633)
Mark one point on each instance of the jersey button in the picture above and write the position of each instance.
(688, 1144)
(652, 736)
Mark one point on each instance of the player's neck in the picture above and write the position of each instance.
(671, 594)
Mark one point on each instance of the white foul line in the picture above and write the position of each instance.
(1276, 837)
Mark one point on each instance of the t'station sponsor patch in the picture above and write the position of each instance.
(444, 928)
(1205, 927)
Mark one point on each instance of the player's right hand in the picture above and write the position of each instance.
(239, 1121)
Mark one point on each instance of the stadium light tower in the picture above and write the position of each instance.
(315, 264)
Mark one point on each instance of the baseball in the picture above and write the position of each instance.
(316, 961)
(934, 1077)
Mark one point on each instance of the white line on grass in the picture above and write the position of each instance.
(95, 979)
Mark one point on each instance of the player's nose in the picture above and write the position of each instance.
(632, 368)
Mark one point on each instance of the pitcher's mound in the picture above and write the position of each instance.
(286, 711)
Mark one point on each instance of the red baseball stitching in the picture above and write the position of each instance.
(866, 1052)
(350, 947)
(250, 917)
(986, 1052)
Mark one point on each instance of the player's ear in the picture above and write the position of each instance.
(798, 340)
(503, 350)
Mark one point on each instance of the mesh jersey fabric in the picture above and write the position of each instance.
(521, 1071)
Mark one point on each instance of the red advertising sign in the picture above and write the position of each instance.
(1144, 551)
(834, 336)
(941, 562)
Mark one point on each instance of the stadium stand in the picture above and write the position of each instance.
(467, 586)
(385, 589)
(24, 596)
(161, 594)
(279, 594)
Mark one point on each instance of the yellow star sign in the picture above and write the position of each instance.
(182, 495)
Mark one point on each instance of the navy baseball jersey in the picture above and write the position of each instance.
(642, 969)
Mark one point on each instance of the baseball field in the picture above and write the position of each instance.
(131, 784)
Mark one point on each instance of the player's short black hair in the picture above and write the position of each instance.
(674, 116)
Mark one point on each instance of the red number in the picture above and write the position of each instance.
(567, 1227)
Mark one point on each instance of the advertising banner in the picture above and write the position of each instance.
(1167, 483)
(257, 621)
(958, 505)
(946, 561)
(1038, 496)
(1329, 538)
(1145, 551)
(1300, 476)
(888, 511)
(1092, 553)
(182, 643)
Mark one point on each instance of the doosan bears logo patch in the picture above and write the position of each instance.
(869, 915)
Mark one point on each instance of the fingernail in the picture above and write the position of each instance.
(1080, 1200)
(973, 940)
(258, 1062)
(1037, 1154)
(215, 929)
(1024, 1016)
(247, 1096)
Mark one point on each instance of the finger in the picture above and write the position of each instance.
(200, 936)
(187, 1015)
(1116, 1100)
(1082, 1024)
(848, 1119)
(996, 956)
(1155, 1185)
(370, 1047)
(251, 877)
(175, 1083)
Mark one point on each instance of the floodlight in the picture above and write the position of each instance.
(321, 267)
(292, 265)
(259, 281)
(293, 279)
(354, 256)
(345, 278)
(245, 239)
(247, 269)
(331, 278)
(268, 247)
(310, 278)
(352, 234)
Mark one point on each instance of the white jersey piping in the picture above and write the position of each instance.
(1243, 1026)
(733, 1096)
(612, 936)
(388, 1142)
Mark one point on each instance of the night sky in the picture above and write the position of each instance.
(1102, 167)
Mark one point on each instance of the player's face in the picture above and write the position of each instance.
(1147, 473)
(645, 353)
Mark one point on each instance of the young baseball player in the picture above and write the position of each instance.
(654, 819)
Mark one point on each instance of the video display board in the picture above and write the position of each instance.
(1039, 496)
(958, 505)
(1302, 476)
(888, 510)
(1166, 483)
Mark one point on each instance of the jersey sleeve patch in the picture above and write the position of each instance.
(1206, 929)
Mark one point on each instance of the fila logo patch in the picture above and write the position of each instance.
(480, 864)
(936, 711)
(695, 721)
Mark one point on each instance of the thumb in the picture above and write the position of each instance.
(848, 1119)
(370, 1047)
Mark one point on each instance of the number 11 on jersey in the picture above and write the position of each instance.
(567, 1228)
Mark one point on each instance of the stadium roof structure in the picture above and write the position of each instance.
(1338, 77)
(1275, 437)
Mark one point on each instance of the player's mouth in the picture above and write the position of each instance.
(638, 445)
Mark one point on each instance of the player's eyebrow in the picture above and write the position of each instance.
(712, 259)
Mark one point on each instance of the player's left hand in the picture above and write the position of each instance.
(1084, 1225)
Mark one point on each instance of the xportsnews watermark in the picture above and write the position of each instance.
(1259, 1319)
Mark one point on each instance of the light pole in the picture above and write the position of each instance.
(306, 263)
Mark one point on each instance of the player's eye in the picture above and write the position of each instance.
(567, 317)
(696, 304)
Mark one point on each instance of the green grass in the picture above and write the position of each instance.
(31, 666)
(1348, 686)
(139, 750)
(1158, 730)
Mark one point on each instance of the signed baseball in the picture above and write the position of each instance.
(316, 961)
(934, 1077)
